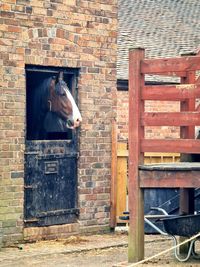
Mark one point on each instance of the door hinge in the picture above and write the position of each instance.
(30, 186)
(31, 220)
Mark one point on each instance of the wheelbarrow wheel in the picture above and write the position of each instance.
(194, 253)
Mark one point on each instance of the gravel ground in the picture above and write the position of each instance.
(108, 250)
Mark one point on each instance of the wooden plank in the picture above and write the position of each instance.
(135, 196)
(159, 155)
(169, 179)
(175, 145)
(113, 196)
(125, 153)
(121, 181)
(154, 66)
(170, 119)
(171, 92)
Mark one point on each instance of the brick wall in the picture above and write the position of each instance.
(122, 115)
(72, 33)
(153, 106)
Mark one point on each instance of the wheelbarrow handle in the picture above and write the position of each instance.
(154, 226)
(160, 209)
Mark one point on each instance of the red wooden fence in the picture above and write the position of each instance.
(181, 176)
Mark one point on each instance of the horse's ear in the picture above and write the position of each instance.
(60, 76)
(53, 83)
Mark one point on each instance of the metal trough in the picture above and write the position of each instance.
(183, 225)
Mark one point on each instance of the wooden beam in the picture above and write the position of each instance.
(170, 119)
(135, 196)
(171, 92)
(113, 176)
(172, 73)
(169, 179)
(154, 66)
(171, 145)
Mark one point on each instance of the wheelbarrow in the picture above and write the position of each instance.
(176, 225)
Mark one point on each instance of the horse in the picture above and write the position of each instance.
(53, 109)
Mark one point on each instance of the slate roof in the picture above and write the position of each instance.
(165, 28)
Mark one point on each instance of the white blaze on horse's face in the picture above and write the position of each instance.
(75, 119)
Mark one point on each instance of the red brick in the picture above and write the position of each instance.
(5, 7)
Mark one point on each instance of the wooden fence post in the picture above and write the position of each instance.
(187, 195)
(135, 195)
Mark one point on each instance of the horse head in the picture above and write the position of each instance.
(61, 102)
(53, 109)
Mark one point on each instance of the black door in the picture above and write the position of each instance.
(50, 163)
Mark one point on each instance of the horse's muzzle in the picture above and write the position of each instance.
(72, 124)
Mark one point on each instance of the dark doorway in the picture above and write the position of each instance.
(50, 162)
